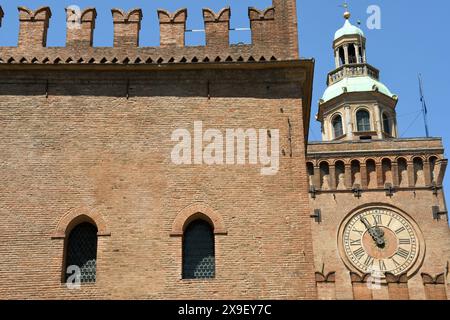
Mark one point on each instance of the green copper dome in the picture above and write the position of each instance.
(355, 84)
(348, 29)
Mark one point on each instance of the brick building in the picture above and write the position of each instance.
(91, 195)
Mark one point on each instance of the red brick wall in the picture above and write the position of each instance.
(435, 292)
(86, 145)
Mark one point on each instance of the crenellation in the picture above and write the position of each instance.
(127, 26)
(33, 26)
(270, 39)
(80, 27)
(217, 27)
(263, 25)
(172, 27)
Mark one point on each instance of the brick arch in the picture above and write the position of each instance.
(195, 211)
(76, 216)
(438, 157)
(391, 160)
(339, 160)
(376, 160)
(406, 158)
(418, 157)
(323, 162)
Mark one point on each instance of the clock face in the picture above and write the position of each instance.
(380, 240)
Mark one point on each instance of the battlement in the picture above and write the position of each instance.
(274, 37)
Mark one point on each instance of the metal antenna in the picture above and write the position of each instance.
(424, 106)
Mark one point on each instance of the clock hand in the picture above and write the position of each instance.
(375, 232)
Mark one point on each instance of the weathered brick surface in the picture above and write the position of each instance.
(86, 145)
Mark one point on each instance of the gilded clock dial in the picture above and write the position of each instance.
(380, 240)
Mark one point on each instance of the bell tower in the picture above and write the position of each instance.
(356, 105)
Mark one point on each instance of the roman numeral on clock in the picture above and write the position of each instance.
(356, 242)
(377, 219)
(402, 253)
(369, 261)
(359, 253)
(404, 241)
(389, 223)
(382, 265)
(395, 262)
(400, 230)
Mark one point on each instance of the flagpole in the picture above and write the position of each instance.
(424, 106)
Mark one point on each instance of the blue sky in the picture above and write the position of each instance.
(413, 39)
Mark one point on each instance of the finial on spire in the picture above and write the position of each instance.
(347, 13)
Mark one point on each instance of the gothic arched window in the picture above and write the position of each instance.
(337, 127)
(363, 121)
(81, 252)
(198, 251)
(386, 124)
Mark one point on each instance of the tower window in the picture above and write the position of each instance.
(337, 127)
(387, 125)
(341, 56)
(82, 252)
(352, 54)
(363, 121)
(198, 251)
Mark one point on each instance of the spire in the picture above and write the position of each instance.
(354, 80)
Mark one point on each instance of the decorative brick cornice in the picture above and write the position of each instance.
(267, 14)
(40, 14)
(392, 278)
(120, 16)
(359, 278)
(429, 279)
(327, 278)
(179, 16)
(223, 15)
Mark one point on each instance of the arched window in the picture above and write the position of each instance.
(363, 120)
(337, 127)
(356, 173)
(324, 176)
(198, 251)
(340, 175)
(387, 124)
(81, 252)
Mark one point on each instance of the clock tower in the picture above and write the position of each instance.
(379, 219)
